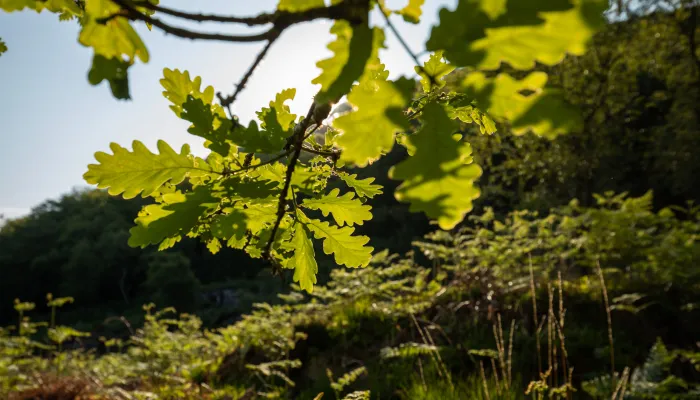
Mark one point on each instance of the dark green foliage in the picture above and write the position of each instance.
(640, 128)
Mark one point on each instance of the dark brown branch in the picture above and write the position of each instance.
(279, 18)
(316, 114)
(133, 13)
(333, 153)
(227, 101)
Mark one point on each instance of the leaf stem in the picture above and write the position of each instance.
(403, 43)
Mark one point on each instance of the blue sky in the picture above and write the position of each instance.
(53, 121)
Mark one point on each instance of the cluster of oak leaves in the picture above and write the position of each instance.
(234, 197)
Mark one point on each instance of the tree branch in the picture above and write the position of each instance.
(279, 18)
(316, 114)
(404, 44)
(333, 153)
(228, 100)
(133, 13)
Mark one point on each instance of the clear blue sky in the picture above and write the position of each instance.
(53, 121)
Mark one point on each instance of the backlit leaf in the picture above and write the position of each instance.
(230, 227)
(348, 250)
(439, 177)
(142, 172)
(179, 86)
(56, 6)
(114, 38)
(208, 124)
(363, 187)
(436, 69)
(299, 5)
(543, 111)
(369, 131)
(304, 259)
(484, 33)
(352, 49)
(3, 47)
(345, 209)
(168, 221)
(412, 12)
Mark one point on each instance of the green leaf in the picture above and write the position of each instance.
(299, 5)
(363, 187)
(348, 250)
(439, 177)
(141, 171)
(543, 111)
(258, 190)
(469, 114)
(304, 259)
(352, 49)
(114, 38)
(3, 47)
(55, 6)
(345, 209)
(114, 70)
(207, 124)
(179, 86)
(368, 132)
(277, 120)
(230, 227)
(412, 12)
(484, 33)
(168, 221)
(436, 69)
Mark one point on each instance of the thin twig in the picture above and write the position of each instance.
(399, 37)
(334, 154)
(227, 101)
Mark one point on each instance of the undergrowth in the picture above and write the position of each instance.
(595, 302)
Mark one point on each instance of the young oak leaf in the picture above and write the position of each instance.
(230, 227)
(143, 172)
(348, 250)
(363, 187)
(353, 48)
(299, 5)
(55, 6)
(168, 221)
(114, 70)
(345, 209)
(112, 39)
(179, 86)
(304, 259)
(439, 176)
(277, 120)
(207, 124)
(368, 132)
(485, 33)
(544, 111)
(412, 11)
(433, 72)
